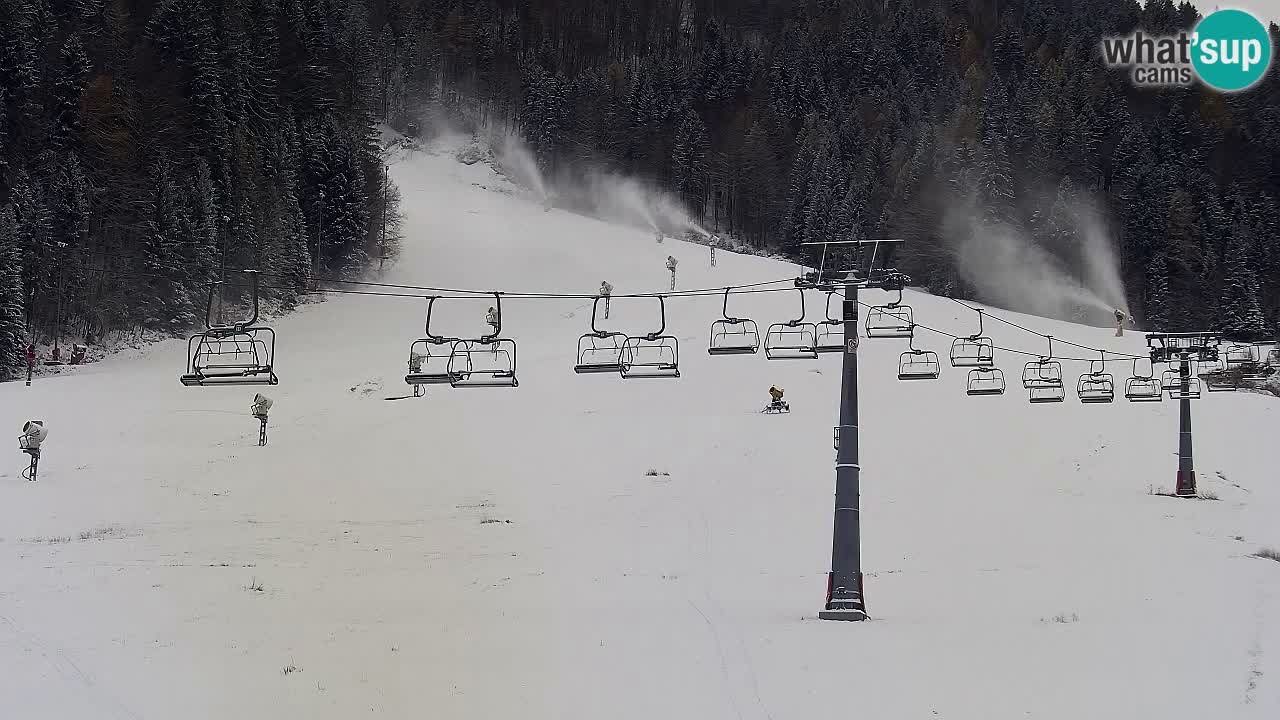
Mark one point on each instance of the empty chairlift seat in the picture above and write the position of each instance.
(483, 362)
(599, 351)
(732, 335)
(1143, 386)
(1043, 381)
(985, 381)
(793, 339)
(429, 362)
(1172, 382)
(231, 356)
(893, 320)
(830, 337)
(977, 350)
(237, 354)
(1096, 388)
(429, 357)
(486, 361)
(916, 364)
(653, 355)
(972, 352)
(1042, 378)
(1097, 385)
(1239, 354)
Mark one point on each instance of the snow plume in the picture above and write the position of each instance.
(606, 195)
(517, 162)
(629, 201)
(1008, 270)
(1100, 264)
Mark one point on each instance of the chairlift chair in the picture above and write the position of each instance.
(732, 335)
(1171, 379)
(1238, 354)
(599, 351)
(1261, 366)
(429, 357)
(654, 355)
(830, 337)
(977, 350)
(917, 364)
(1257, 372)
(1191, 393)
(237, 354)
(1143, 387)
(1042, 379)
(483, 362)
(486, 361)
(793, 339)
(985, 381)
(1097, 385)
(893, 320)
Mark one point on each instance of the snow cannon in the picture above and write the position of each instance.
(261, 404)
(33, 434)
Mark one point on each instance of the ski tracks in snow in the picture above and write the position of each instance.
(69, 670)
(1255, 648)
(736, 669)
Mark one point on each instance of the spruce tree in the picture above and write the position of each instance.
(1158, 298)
(1239, 311)
(12, 317)
(64, 131)
(688, 158)
(167, 227)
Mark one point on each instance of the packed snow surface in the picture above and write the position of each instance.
(585, 546)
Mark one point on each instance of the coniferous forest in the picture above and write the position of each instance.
(160, 139)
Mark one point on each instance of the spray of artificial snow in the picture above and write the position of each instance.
(606, 195)
(519, 164)
(1009, 271)
(1101, 266)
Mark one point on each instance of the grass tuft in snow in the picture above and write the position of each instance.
(290, 669)
(1062, 619)
(95, 534)
(654, 473)
(102, 532)
(1268, 554)
(1200, 494)
(254, 585)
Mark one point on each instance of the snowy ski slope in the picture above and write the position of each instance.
(492, 553)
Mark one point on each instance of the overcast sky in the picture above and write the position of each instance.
(1267, 10)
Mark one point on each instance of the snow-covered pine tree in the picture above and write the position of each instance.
(1158, 298)
(68, 86)
(1239, 311)
(12, 316)
(34, 241)
(167, 307)
(688, 158)
(204, 245)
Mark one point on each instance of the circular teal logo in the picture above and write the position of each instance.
(1231, 50)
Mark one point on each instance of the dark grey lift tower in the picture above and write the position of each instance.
(845, 599)
(1183, 349)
